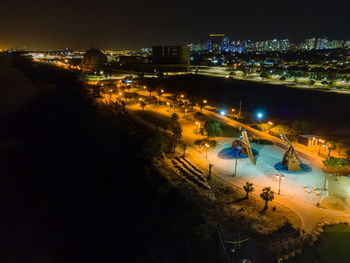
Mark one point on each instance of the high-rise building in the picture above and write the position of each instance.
(336, 44)
(346, 44)
(322, 43)
(284, 44)
(310, 43)
(218, 43)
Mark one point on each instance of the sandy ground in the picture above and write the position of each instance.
(16, 90)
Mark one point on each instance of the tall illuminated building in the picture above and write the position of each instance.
(310, 43)
(218, 43)
(322, 43)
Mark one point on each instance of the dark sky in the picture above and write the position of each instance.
(133, 24)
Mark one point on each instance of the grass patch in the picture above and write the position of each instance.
(330, 247)
(226, 130)
(155, 118)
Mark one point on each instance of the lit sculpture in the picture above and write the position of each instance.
(243, 147)
(291, 158)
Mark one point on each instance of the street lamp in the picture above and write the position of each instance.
(197, 125)
(320, 142)
(260, 116)
(279, 177)
(206, 150)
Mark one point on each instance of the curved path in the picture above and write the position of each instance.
(310, 215)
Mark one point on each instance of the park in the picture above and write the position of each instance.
(204, 144)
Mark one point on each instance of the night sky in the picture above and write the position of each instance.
(135, 24)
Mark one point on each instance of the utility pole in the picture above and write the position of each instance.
(236, 165)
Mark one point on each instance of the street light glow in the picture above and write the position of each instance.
(260, 115)
(223, 113)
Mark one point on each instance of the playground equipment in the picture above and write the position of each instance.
(291, 158)
(243, 147)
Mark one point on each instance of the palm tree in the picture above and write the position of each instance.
(201, 105)
(184, 147)
(176, 134)
(174, 117)
(159, 93)
(267, 195)
(248, 188)
(143, 104)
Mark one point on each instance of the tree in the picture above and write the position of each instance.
(347, 153)
(200, 117)
(201, 105)
(265, 75)
(311, 82)
(191, 103)
(174, 117)
(143, 104)
(333, 83)
(159, 93)
(282, 78)
(334, 163)
(248, 188)
(340, 146)
(212, 128)
(176, 133)
(332, 76)
(331, 146)
(184, 147)
(267, 195)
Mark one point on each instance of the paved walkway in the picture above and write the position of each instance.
(310, 215)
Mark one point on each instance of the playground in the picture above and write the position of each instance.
(300, 185)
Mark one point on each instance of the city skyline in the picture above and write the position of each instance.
(61, 24)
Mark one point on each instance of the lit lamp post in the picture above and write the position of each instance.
(271, 124)
(205, 102)
(320, 142)
(279, 177)
(197, 125)
(260, 116)
(206, 150)
(161, 92)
